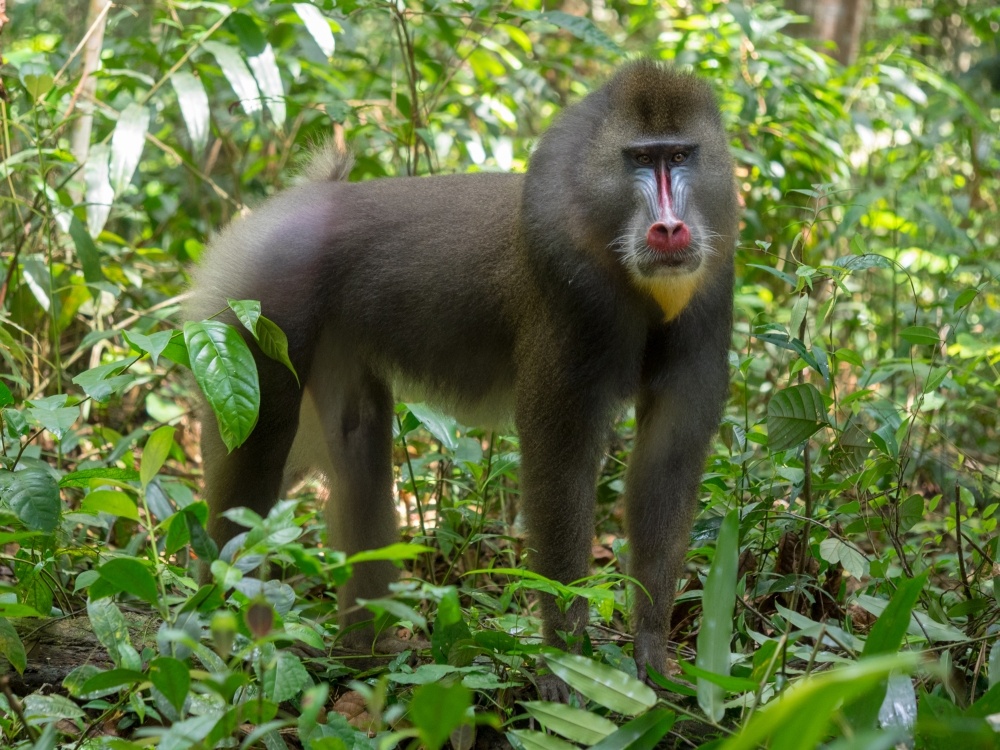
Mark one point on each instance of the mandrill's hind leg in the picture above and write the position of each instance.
(353, 411)
(251, 475)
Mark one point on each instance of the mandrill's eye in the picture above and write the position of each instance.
(643, 160)
(679, 158)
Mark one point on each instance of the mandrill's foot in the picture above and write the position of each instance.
(552, 688)
(650, 650)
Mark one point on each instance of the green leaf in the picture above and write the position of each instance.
(964, 299)
(33, 494)
(719, 601)
(132, 575)
(642, 733)
(236, 72)
(86, 251)
(274, 343)
(287, 679)
(99, 193)
(793, 414)
(393, 552)
(112, 502)
(110, 628)
(801, 716)
(602, 684)
(247, 311)
(155, 453)
(194, 107)
(44, 709)
(835, 550)
(318, 27)
(437, 709)
(265, 70)
(920, 335)
(153, 345)
(6, 397)
(531, 739)
(172, 678)
(227, 374)
(449, 629)
(575, 724)
(127, 143)
(11, 646)
(887, 634)
(87, 477)
(579, 26)
(439, 425)
(113, 679)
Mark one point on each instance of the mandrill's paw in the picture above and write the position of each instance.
(650, 650)
(552, 688)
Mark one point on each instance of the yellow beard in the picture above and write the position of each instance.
(672, 293)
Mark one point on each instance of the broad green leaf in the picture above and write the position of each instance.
(718, 601)
(437, 709)
(920, 335)
(227, 374)
(247, 312)
(104, 381)
(86, 251)
(132, 575)
(579, 26)
(531, 739)
(194, 107)
(33, 494)
(964, 299)
(265, 70)
(835, 550)
(642, 733)
(602, 684)
(126, 145)
(6, 397)
(793, 414)
(238, 75)
(87, 477)
(393, 552)
(287, 680)
(99, 193)
(317, 25)
(112, 679)
(887, 634)
(36, 78)
(112, 502)
(11, 647)
(274, 343)
(450, 629)
(993, 664)
(110, 628)
(155, 453)
(43, 709)
(575, 724)
(153, 345)
(919, 623)
(801, 716)
(439, 425)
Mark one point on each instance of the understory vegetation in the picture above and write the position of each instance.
(841, 583)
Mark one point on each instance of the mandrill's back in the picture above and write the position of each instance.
(366, 265)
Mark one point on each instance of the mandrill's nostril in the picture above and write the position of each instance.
(669, 237)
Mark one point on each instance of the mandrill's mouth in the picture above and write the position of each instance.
(653, 262)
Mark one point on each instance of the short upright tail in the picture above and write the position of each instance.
(329, 162)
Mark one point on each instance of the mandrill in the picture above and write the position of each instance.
(601, 277)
